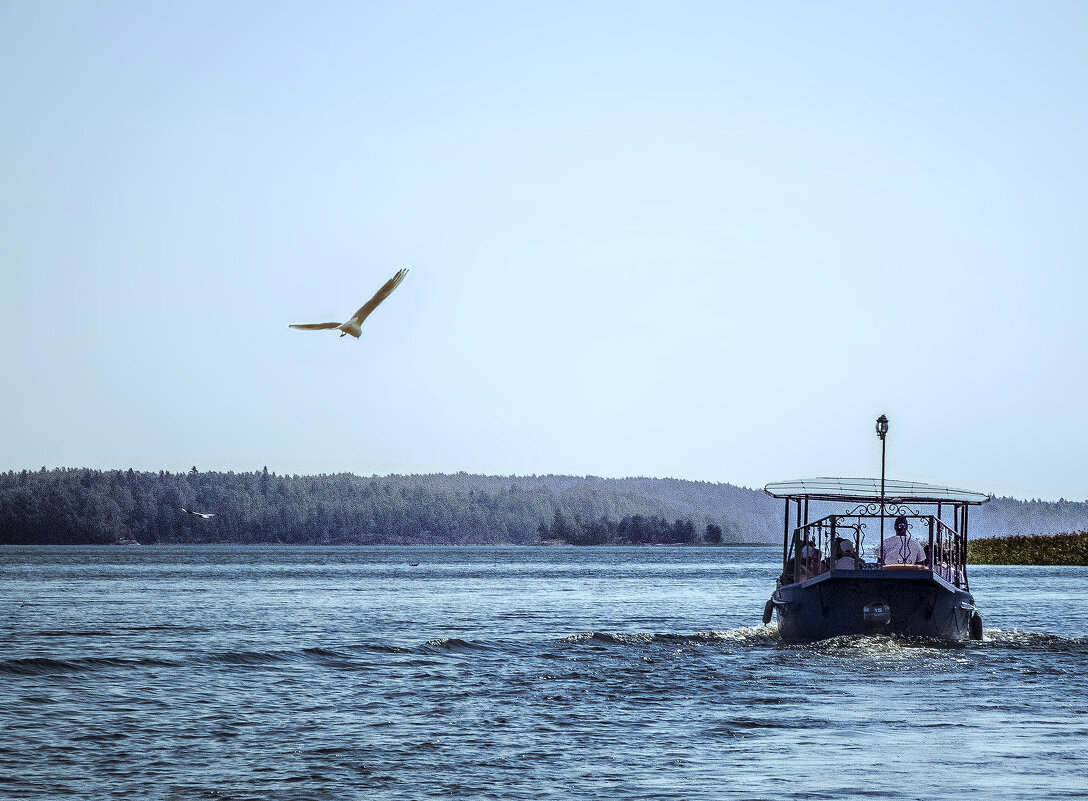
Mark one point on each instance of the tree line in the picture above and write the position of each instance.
(76, 505)
(632, 530)
(82, 506)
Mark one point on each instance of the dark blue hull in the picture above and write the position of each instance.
(904, 603)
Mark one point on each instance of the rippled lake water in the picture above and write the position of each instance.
(513, 673)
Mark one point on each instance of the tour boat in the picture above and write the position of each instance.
(836, 578)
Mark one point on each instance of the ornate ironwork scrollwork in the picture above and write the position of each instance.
(863, 509)
(869, 509)
(901, 509)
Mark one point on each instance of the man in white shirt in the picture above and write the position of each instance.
(901, 549)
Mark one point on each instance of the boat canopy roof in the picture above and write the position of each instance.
(867, 490)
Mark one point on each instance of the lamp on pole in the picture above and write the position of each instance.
(882, 432)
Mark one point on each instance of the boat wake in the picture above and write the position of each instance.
(359, 656)
(1031, 641)
(744, 635)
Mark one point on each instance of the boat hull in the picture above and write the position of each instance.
(900, 603)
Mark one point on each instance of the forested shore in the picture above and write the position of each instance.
(84, 506)
(81, 506)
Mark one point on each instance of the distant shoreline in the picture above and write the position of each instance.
(82, 506)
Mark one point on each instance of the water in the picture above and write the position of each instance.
(513, 673)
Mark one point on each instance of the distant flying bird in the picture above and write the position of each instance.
(353, 326)
(205, 515)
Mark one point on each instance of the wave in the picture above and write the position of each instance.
(324, 653)
(1031, 641)
(851, 645)
(382, 648)
(71, 633)
(905, 647)
(43, 665)
(877, 646)
(350, 656)
(246, 658)
(745, 635)
(337, 660)
(453, 644)
(115, 631)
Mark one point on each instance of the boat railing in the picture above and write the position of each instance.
(814, 547)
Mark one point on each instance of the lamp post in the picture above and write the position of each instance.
(882, 432)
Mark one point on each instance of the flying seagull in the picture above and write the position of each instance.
(353, 326)
(205, 515)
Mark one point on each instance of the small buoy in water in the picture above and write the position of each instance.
(976, 627)
(768, 612)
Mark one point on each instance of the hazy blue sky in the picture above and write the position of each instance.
(704, 240)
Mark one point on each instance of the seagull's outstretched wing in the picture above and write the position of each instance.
(314, 326)
(379, 296)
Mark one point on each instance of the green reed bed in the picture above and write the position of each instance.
(1056, 549)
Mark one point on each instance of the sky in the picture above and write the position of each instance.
(710, 241)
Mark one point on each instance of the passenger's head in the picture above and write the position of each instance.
(846, 548)
(901, 525)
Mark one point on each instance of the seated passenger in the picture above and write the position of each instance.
(811, 565)
(901, 549)
(847, 558)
